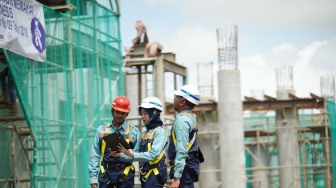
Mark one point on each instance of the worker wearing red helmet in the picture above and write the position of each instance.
(113, 169)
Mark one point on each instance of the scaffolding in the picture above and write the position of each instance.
(315, 130)
(64, 99)
(287, 139)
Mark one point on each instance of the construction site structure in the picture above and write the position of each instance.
(287, 139)
(147, 77)
(63, 100)
(282, 135)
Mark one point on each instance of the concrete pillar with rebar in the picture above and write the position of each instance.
(230, 111)
(260, 157)
(286, 130)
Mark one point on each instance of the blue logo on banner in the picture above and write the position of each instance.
(38, 35)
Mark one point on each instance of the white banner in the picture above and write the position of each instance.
(22, 28)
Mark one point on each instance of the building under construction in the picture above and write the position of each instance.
(261, 141)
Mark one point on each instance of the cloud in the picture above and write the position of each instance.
(324, 58)
(193, 44)
(306, 72)
(271, 34)
(257, 74)
(312, 13)
(316, 60)
(284, 47)
(196, 44)
(195, 40)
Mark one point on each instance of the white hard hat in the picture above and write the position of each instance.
(151, 102)
(190, 93)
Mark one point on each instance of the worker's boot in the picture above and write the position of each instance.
(12, 110)
(5, 98)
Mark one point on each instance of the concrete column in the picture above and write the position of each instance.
(260, 151)
(208, 141)
(158, 80)
(260, 177)
(286, 122)
(231, 129)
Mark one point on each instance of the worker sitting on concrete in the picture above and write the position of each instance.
(141, 37)
(151, 48)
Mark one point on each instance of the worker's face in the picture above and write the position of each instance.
(178, 101)
(119, 116)
(144, 115)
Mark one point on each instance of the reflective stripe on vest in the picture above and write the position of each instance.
(191, 142)
(155, 161)
(106, 130)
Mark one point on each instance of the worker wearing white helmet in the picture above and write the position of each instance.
(183, 151)
(153, 170)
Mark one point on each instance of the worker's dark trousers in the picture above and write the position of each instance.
(127, 183)
(185, 180)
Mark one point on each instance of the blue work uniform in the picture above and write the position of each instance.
(183, 153)
(110, 171)
(153, 170)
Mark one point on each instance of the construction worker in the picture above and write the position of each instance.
(8, 91)
(153, 170)
(141, 37)
(183, 151)
(113, 170)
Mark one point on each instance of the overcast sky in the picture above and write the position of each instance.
(271, 34)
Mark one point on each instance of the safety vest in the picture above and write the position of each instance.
(106, 130)
(192, 134)
(193, 149)
(150, 138)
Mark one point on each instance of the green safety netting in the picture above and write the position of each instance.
(332, 119)
(65, 98)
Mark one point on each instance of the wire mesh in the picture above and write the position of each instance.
(227, 47)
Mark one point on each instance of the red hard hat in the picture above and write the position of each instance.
(121, 104)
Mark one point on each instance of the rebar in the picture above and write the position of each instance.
(327, 83)
(227, 47)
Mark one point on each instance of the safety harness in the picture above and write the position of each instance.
(126, 166)
(195, 155)
(192, 140)
(153, 165)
